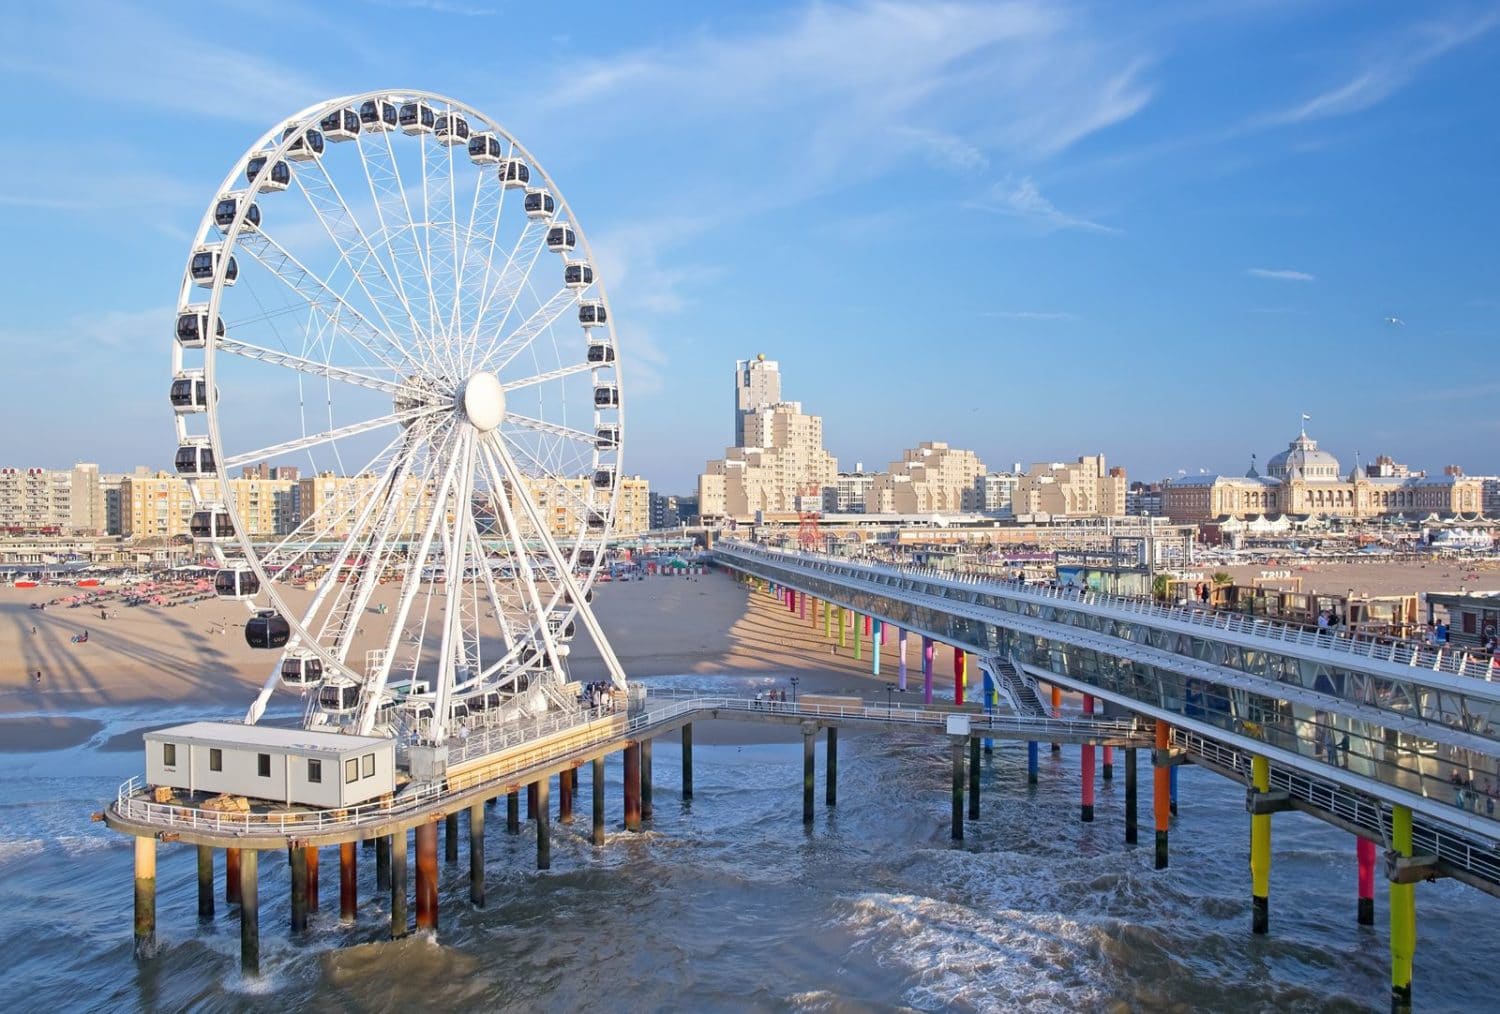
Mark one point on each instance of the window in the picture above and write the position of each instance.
(215, 759)
(314, 771)
(369, 765)
(263, 765)
(169, 754)
(351, 770)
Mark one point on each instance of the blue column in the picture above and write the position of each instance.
(901, 666)
(1173, 790)
(1031, 762)
(989, 705)
(875, 640)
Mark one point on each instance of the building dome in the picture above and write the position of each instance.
(1303, 460)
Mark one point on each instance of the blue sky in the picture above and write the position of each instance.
(1160, 231)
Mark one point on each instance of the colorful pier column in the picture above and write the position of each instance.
(232, 876)
(827, 621)
(598, 789)
(145, 897)
(791, 600)
(312, 880)
(926, 669)
(1130, 829)
(802, 604)
(1364, 851)
(876, 641)
(960, 674)
(1260, 851)
(632, 786)
(647, 810)
(1031, 762)
(843, 627)
(990, 699)
(565, 796)
(349, 881)
(1057, 713)
(543, 827)
(1172, 784)
(1161, 784)
(1087, 813)
(880, 630)
(1403, 902)
(867, 626)
(858, 639)
(427, 875)
(901, 663)
(1109, 764)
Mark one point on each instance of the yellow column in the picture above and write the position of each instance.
(1403, 902)
(858, 637)
(1260, 850)
(827, 620)
(843, 630)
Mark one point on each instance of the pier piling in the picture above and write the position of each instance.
(383, 863)
(565, 796)
(247, 866)
(231, 876)
(809, 731)
(512, 812)
(450, 838)
(1161, 775)
(297, 858)
(476, 855)
(543, 826)
(427, 875)
(926, 669)
(973, 779)
(1364, 851)
(145, 897)
(1057, 713)
(958, 787)
(831, 766)
(398, 885)
(1403, 904)
(687, 759)
(598, 790)
(348, 881)
(312, 879)
(1086, 813)
(205, 883)
(646, 808)
(632, 767)
(1130, 798)
(1108, 772)
(1260, 851)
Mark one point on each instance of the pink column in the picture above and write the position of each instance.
(882, 633)
(791, 601)
(802, 604)
(926, 670)
(901, 664)
(1364, 850)
(958, 675)
(1088, 766)
(867, 626)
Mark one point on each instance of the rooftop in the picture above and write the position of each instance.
(270, 736)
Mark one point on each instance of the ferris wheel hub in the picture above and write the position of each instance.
(482, 401)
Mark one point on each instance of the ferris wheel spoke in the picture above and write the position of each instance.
(322, 299)
(521, 338)
(356, 251)
(474, 265)
(416, 263)
(507, 285)
(311, 367)
(555, 429)
(550, 375)
(564, 572)
(343, 432)
(552, 478)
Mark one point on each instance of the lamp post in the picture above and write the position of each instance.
(888, 690)
(794, 682)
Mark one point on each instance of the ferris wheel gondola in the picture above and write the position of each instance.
(405, 331)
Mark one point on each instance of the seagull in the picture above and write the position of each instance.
(1395, 322)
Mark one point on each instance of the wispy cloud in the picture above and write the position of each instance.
(1281, 274)
(438, 7)
(1388, 66)
(1022, 199)
(1029, 314)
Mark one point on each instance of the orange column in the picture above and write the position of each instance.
(1161, 784)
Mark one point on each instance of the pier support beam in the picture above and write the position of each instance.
(297, 857)
(859, 639)
(1031, 762)
(398, 885)
(960, 674)
(901, 660)
(427, 875)
(1260, 851)
(231, 876)
(531, 801)
(383, 863)
(809, 740)
(1087, 808)
(1161, 777)
(827, 621)
(926, 669)
(1172, 789)
(876, 640)
(831, 772)
(145, 898)
(312, 879)
(990, 695)
(1403, 903)
(958, 787)
(1130, 829)
(1109, 764)
(348, 881)
(647, 810)
(687, 761)
(450, 838)
(513, 812)
(565, 796)
(247, 866)
(543, 826)
(632, 786)
(476, 855)
(973, 779)
(205, 883)
(1364, 851)
(843, 628)
(598, 791)
(1057, 713)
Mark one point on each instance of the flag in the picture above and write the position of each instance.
(1306, 417)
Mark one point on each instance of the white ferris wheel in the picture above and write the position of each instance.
(389, 296)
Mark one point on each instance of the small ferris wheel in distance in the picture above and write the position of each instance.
(398, 407)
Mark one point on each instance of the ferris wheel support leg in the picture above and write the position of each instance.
(564, 573)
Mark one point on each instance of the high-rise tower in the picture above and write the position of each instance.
(757, 384)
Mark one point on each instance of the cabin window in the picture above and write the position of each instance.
(215, 759)
(368, 762)
(169, 754)
(263, 765)
(315, 771)
(1468, 625)
(351, 770)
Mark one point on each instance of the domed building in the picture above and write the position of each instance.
(1305, 482)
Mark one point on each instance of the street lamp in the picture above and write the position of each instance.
(794, 682)
(888, 690)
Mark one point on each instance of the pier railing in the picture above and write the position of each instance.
(1412, 654)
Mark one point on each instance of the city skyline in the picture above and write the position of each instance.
(1233, 242)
